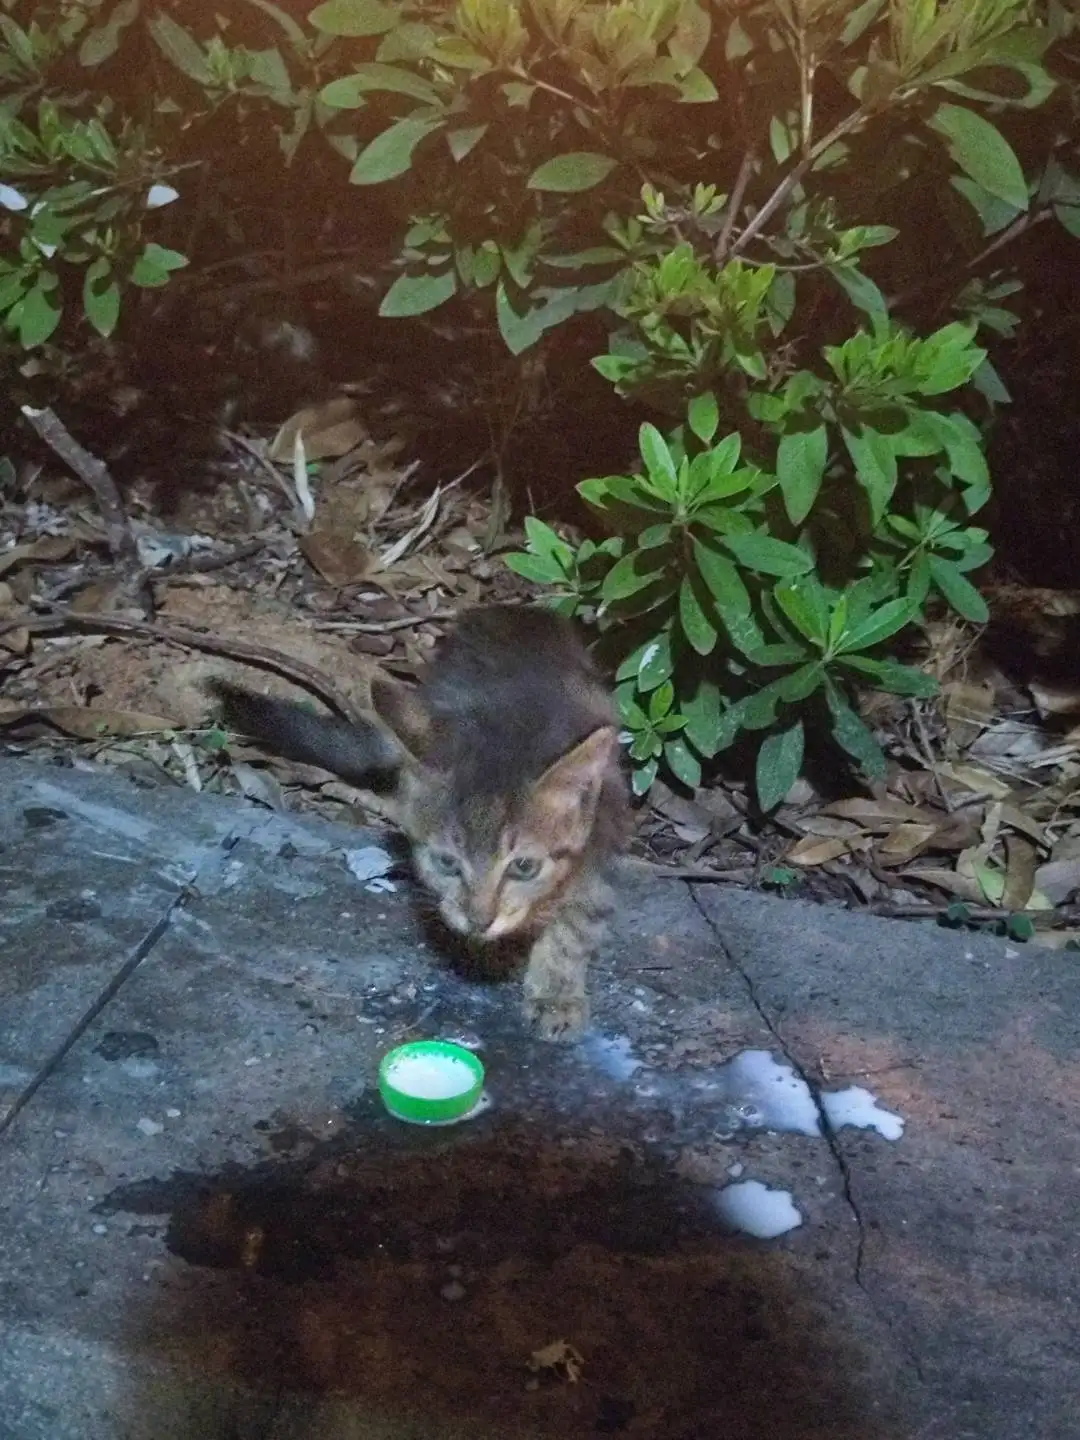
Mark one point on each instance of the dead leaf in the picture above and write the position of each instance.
(827, 825)
(975, 778)
(105, 597)
(327, 431)
(558, 1358)
(259, 785)
(84, 722)
(16, 642)
(962, 886)
(968, 710)
(906, 842)
(1020, 857)
(185, 753)
(881, 813)
(45, 550)
(1049, 700)
(301, 481)
(426, 519)
(1058, 879)
(811, 851)
(690, 821)
(338, 560)
(1014, 817)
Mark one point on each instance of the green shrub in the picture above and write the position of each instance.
(717, 590)
(791, 215)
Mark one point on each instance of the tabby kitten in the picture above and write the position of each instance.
(505, 779)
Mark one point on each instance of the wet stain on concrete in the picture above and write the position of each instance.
(417, 1272)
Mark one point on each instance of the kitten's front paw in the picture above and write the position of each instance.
(560, 1020)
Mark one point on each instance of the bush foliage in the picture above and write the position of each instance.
(793, 217)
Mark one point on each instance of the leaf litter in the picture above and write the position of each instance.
(349, 558)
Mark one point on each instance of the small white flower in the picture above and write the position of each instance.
(12, 199)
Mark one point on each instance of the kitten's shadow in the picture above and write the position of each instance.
(490, 963)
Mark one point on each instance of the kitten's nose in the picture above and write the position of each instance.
(480, 912)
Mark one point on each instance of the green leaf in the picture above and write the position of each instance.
(654, 663)
(180, 47)
(154, 265)
(690, 38)
(103, 41)
(800, 466)
(101, 301)
(543, 540)
(769, 556)
(628, 576)
(704, 416)
(994, 212)
(918, 586)
(540, 569)
(722, 579)
(566, 174)
(801, 683)
(270, 70)
(704, 726)
(768, 657)
(660, 701)
(36, 316)
(958, 591)
(347, 92)
(682, 762)
(897, 679)
(696, 625)
(417, 294)
(411, 40)
(390, 154)
(18, 41)
(462, 141)
(805, 604)
(875, 466)
(863, 293)
(519, 329)
(886, 621)
(982, 152)
(696, 88)
(354, 17)
(644, 776)
(778, 764)
(658, 461)
(852, 735)
(655, 536)
(964, 446)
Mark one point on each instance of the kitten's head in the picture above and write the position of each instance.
(497, 864)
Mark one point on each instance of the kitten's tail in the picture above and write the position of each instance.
(355, 752)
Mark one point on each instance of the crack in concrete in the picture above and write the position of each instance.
(828, 1132)
(117, 980)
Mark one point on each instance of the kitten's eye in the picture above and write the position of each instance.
(524, 867)
(445, 863)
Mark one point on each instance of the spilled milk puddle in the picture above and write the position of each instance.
(418, 1272)
(752, 1091)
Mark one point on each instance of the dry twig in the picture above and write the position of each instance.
(274, 660)
(95, 475)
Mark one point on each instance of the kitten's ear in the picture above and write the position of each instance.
(568, 790)
(403, 713)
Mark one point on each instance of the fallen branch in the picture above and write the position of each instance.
(95, 475)
(274, 660)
